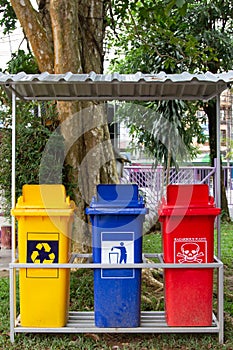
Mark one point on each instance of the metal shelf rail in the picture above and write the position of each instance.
(151, 321)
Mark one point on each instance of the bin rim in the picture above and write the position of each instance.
(119, 204)
(188, 211)
(17, 212)
(116, 211)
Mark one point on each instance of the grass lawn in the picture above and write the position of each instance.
(81, 298)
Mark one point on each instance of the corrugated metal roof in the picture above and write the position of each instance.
(115, 86)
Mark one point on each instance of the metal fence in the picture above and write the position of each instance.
(152, 183)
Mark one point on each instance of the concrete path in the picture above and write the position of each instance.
(5, 259)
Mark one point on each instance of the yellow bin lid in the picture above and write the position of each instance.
(44, 197)
(44, 200)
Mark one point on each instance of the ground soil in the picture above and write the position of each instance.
(4, 273)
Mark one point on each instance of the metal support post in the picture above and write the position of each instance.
(13, 236)
(218, 175)
(221, 303)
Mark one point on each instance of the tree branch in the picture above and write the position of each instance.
(32, 25)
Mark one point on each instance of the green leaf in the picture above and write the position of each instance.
(180, 3)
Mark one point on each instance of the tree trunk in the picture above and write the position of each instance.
(210, 110)
(67, 36)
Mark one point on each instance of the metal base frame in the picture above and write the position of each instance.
(151, 321)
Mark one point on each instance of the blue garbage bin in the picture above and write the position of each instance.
(117, 215)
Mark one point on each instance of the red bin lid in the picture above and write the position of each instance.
(188, 195)
(186, 199)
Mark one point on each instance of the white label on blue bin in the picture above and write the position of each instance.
(117, 248)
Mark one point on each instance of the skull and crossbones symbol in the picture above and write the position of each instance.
(190, 253)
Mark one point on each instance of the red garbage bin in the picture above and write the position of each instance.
(187, 217)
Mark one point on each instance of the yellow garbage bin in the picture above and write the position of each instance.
(45, 216)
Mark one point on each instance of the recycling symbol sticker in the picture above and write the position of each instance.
(42, 252)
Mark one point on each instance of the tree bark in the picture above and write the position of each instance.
(64, 15)
(67, 36)
(91, 24)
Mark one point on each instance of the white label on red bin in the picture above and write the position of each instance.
(190, 250)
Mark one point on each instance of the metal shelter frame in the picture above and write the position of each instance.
(125, 87)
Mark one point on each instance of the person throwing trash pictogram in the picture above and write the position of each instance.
(123, 252)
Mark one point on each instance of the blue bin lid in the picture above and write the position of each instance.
(117, 195)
